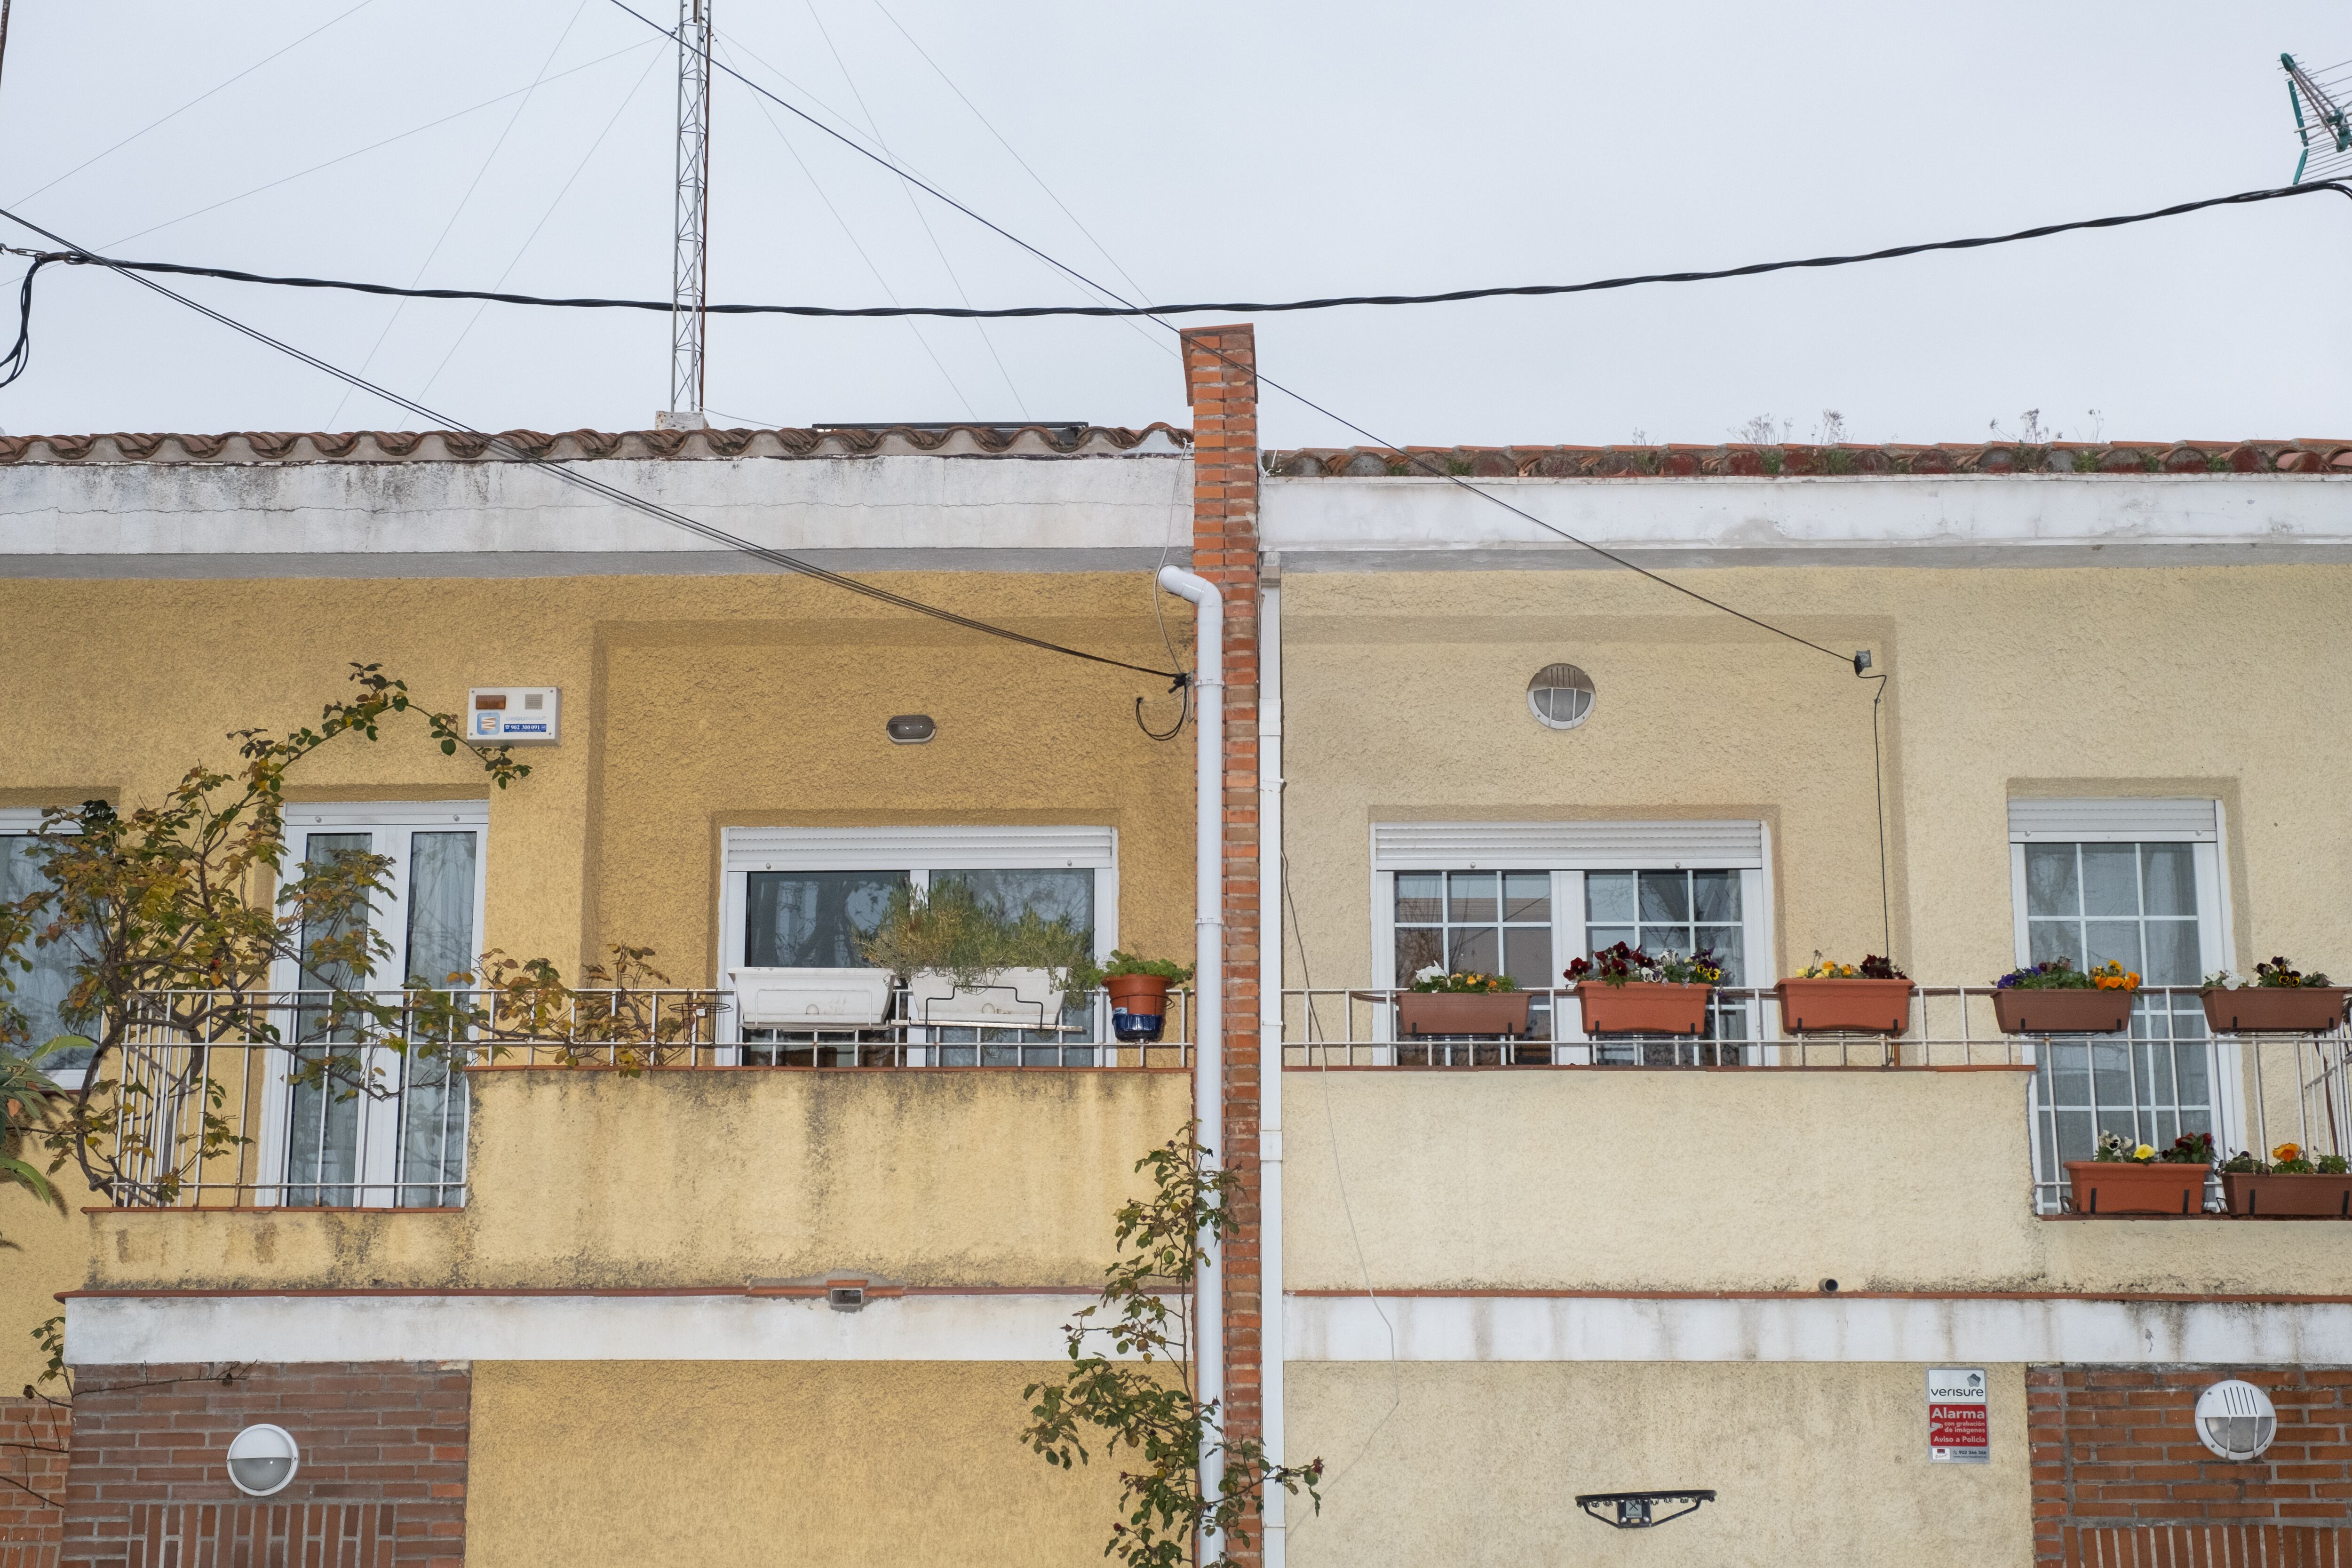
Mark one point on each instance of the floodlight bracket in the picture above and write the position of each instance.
(1639, 1511)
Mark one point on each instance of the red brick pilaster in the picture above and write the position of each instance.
(1220, 383)
(34, 1438)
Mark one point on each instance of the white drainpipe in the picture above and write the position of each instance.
(1269, 1048)
(1209, 980)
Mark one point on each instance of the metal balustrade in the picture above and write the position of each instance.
(317, 1098)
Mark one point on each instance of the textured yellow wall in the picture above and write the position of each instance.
(589, 1179)
(42, 1252)
(777, 1465)
(1476, 1465)
(1404, 698)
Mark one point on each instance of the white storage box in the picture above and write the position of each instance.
(812, 998)
(1017, 999)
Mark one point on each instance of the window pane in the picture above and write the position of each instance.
(1601, 937)
(1527, 896)
(811, 919)
(440, 906)
(1526, 956)
(2110, 879)
(2050, 887)
(2170, 878)
(1475, 952)
(1417, 948)
(1665, 898)
(1471, 896)
(321, 851)
(1417, 895)
(40, 995)
(1715, 896)
(2172, 954)
(2113, 941)
(2047, 940)
(1608, 896)
(1725, 940)
(1059, 893)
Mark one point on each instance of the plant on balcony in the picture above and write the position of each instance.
(2291, 1183)
(1462, 1002)
(27, 1099)
(1873, 997)
(2056, 998)
(2124, 1177)
(950, 937)
(1137, 988)
(1624, 990)
(1140, 1391)
(2280, 998)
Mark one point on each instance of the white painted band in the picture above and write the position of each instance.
(114, 1331)
(1821, 1328)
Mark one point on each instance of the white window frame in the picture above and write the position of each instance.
(917, 850)
(375, 1182)
(2140, 819)
(1568, 850)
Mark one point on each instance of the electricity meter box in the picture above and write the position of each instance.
(514, 715)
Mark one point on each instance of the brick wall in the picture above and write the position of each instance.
(1221, 384)
(2120, 1478)
(34, 1436)
(381, 1478)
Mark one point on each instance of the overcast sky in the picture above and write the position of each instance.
(1214, 150)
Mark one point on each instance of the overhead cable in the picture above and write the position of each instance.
(1230, 307)
(571, 476)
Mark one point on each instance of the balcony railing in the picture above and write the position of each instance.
(313, 1099)
(2167, 1075)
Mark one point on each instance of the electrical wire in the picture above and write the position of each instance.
(566, 474)
(1231, 307)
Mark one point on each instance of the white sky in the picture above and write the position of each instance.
(1216, 149)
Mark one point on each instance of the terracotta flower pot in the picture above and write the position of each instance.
(1844, 1006)
(1138, 1006)
(1642, 1007)
(2252, 1194)
(2071, 1012)
(2286, 1009)
(2118, 1188)
(1461, 1012)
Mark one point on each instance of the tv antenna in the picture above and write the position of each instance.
(690, 254)
(2318, 100)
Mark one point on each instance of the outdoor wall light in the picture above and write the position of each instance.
(2236, 1420)
(1639, 1511)
(262, 1460)
(911, 729)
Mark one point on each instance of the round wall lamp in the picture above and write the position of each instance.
(2236, 1420)
(911, 729)
(1561, 695)
(262, 1460)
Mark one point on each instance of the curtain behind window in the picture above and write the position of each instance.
(40, 995)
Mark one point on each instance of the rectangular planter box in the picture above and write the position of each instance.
(2283, 1009)
(2290, 1194)
(1642, 1007)
(1012, 999)
(1462, 1012)
(2119, 1188)
(1844, 1006)
(2074, 1012)
(811, 998)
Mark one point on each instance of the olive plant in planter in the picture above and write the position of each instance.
(1872, 997)
(2056, 998)
(1138, 992)
(967, 965)
(2291, 1183)
(1625, 991)
(2134, 1178)
(2281, 998)
(1447, 1002)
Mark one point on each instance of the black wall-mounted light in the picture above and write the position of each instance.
(911, 729)
(1639, 1511)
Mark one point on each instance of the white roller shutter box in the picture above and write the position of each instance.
(2116, 820)
(1565, 846)
(933, 849)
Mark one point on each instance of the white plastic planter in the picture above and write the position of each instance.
(812, 998)
(1011, 999)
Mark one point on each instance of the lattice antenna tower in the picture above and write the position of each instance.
(2319, 99)
(690, 257)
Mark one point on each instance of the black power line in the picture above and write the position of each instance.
(1231, 307)
(570, 476)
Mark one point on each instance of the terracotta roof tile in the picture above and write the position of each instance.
(2305, 456)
